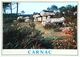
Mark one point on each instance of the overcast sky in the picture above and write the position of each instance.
(30, 7)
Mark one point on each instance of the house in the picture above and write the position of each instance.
(36, 16)
(43, 15)
(46, 13)
(54, 21)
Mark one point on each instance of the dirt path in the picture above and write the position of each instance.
(50, 32)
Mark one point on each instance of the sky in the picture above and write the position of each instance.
(30, 7)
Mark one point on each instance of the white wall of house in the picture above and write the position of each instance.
(44, 18)
(39, 19)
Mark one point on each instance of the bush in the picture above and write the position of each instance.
(48, 42)
(20, 20)
(16, 36)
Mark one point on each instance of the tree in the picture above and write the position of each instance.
(52, 8)
(11, 7)
(17, 8)
(69, 7)
(6, 5)
(74, 8)
(48, 9)
(22, 11)
(62, 9)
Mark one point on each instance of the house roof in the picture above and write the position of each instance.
(47, 11)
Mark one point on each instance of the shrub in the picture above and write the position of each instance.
(20, 20)
(16, 36)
